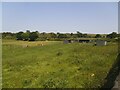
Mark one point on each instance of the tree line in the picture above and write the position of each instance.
(32, 36)
(27, 36)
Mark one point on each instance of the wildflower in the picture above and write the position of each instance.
(92, 75)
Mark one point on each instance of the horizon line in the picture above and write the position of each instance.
(57, 32)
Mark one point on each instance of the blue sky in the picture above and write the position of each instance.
(86, 17)
(60, 0)
(0, 17)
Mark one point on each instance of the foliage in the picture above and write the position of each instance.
(19, 36)
(112, 35)
(98, 36)
(25, 36)
(8, 35)
(62, 36)
(79, 34)
(33, 36)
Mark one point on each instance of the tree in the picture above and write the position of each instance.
(25, 36)
(8, 35)
(84, 35)
(112, 35)
(53, 35)
(71, 34)
(62, 35)
(19, 36)
(98, 36)
(33, 36)
(79, 34)
(27, 31)
(43, 36)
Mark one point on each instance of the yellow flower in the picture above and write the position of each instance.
(92, 74)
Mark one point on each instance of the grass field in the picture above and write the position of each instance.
(0, 63)
(55, 65)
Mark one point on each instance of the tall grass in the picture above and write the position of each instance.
(56, 65)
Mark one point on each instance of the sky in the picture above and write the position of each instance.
(0, 17)
(60, 0)
(65, 17)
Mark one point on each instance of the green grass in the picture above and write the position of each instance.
(0, 64)
(56, 65)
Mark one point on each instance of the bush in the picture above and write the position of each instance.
(33, 36)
